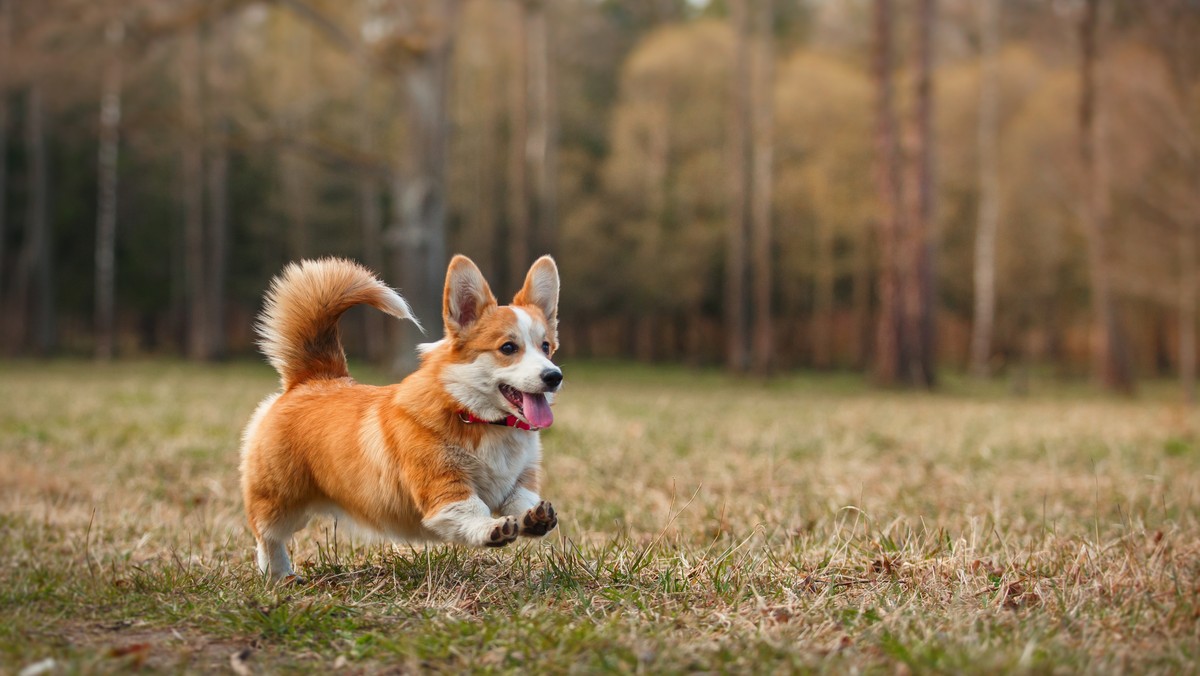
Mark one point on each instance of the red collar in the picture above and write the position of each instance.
(510, 421)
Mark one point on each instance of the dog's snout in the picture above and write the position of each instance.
(552, 377)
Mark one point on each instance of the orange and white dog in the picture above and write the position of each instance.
(449, 454)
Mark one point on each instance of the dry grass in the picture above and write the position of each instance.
(705, 524)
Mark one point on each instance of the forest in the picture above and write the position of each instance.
(894, 187)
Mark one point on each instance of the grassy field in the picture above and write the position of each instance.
(705, 524)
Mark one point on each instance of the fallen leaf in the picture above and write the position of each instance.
(138, 651)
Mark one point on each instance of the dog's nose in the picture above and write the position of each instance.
(552, 377)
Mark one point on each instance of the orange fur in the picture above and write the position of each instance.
(391, 458)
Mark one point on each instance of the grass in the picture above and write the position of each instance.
(705, 524)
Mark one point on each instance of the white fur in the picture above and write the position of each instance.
(467, 522)
(425, 348)
(519, 502)
(476, 385)
(526, 374)
(499, 460)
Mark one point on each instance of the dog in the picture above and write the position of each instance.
(449, 454)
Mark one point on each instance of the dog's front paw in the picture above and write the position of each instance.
(504, 532)
(539, 520)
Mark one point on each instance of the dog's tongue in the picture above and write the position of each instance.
(537, 410)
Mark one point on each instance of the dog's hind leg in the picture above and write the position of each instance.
(273, 558)
(273, 528)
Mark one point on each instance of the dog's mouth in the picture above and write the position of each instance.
(532, 406)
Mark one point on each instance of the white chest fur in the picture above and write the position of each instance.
(495, 465)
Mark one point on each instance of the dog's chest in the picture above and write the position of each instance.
(497, 463)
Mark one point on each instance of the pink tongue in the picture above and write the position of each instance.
(537, 410)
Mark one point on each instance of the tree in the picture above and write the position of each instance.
(106, 220)
(418, 234)
(762, 177)
(989, 188)
(920, 321)
(889, 356)
(1109, 356)
(199, 330)
(38, 261)
(6, 19)
(219, 66)
(741, 187)
(370, 199)
(519, 233)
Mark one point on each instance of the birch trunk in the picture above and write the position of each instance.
(989, 190)
(542, 141)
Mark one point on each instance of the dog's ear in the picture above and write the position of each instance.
(541, 290)
(466, 297)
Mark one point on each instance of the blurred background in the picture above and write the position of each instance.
(895, 187)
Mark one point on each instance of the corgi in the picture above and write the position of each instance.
(449, 454)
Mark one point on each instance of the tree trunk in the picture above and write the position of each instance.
(737, 340)
(919, 323)
(218, 193)
(862, 302)
(989, 189)
(519, 151)
(421, 232)
(542, 129)
(106, 221)
(823, 297)
(195, 264)
(40, 257)
(1187, 310)
(6, 17)
(296, 170)
(1109, 358)
(888, 352)
(369, 198)
(763, 173)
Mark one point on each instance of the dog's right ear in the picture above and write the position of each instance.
(466, 297)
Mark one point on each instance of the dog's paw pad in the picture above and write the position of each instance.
(539, 520)
(503, 533)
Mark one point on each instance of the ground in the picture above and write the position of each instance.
(808, 523)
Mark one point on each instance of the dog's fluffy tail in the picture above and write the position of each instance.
(298, 327)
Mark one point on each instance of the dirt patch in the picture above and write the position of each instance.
(133, 644)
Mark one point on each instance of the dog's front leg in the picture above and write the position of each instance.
(535, 516)
(470, 522)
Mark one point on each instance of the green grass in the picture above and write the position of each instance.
(807, 523)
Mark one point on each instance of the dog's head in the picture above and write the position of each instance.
(497, 358)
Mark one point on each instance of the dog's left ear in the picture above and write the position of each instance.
(541, 290)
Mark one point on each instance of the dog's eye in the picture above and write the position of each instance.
(508, 348)
(546, 346)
